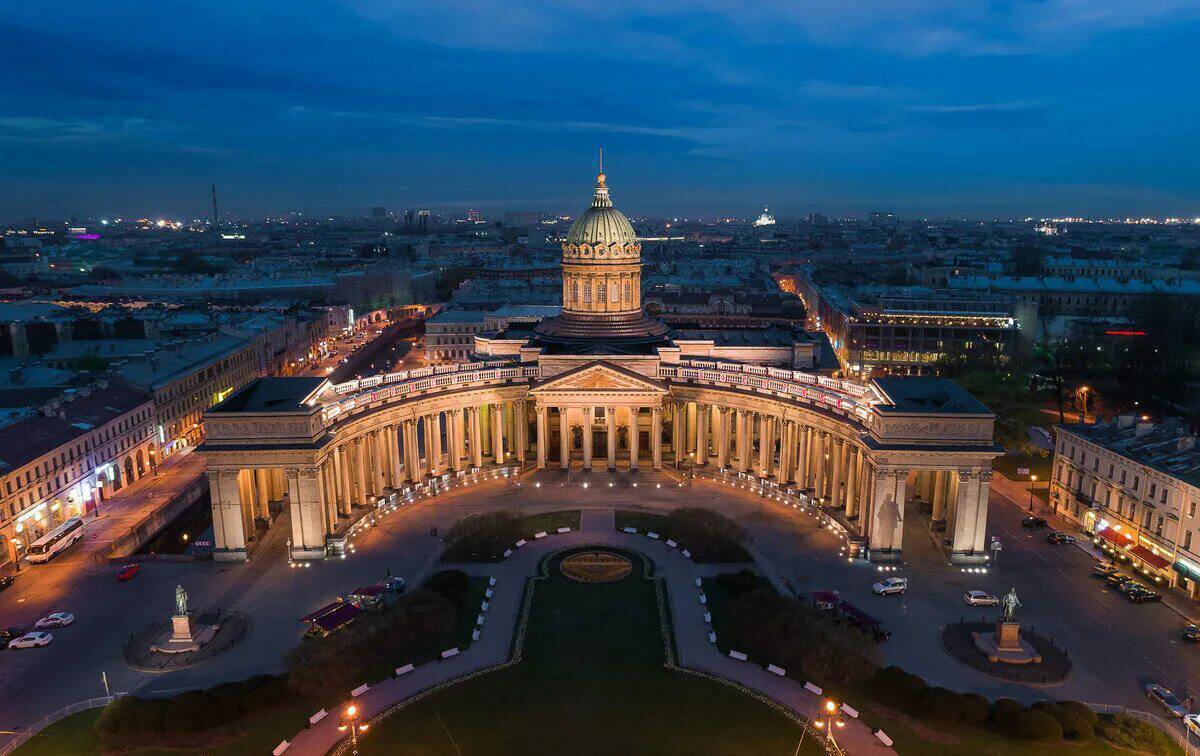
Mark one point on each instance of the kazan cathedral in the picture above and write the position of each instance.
(604, 386)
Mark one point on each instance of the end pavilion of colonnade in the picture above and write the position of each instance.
(329, 453)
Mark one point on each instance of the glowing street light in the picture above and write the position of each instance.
(350, 721)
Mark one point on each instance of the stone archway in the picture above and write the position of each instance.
(141, 463)
(129, 476)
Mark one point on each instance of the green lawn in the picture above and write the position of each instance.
(951, 740)
(646, 522)
(548, 522)
(591, 681)
(75, 736)
(527, 527)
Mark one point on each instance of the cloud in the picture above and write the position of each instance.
(35, 128)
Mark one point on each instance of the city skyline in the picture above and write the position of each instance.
(1045, 109)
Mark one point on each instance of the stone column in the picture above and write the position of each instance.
(678, 420)
(541, 436)
(939, 495)
(437, 443)
(740, 445)
(341, 479)
(819, 462)
(852, 482)
(382, 465)
(968, 521)
(412, 461)
(229, 537)
(521, 421)
(634, 438)
(656, 436)
(307, 508)
(787, 439)
(459, 445)
(610, 439)
(703, 411)
(476, 438)
(835, 484)
(764, 446)
(396, 438)
(262, 490)
(329, 494)
(722, 436)
(587, 439)
(564, 438)
(498, 435)
(359, 469)
(693, 414)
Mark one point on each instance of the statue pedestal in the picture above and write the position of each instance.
(185, 636)
(1005, 645)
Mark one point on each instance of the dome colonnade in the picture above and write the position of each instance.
(858, 451)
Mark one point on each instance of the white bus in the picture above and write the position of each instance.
(45, 548)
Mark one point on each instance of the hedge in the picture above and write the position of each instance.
(132, 717)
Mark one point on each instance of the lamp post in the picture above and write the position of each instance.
(350, 721)
(828, 720)
(1032, 483)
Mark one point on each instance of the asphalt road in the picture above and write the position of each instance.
(1116, 646)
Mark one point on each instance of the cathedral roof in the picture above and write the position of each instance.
(601, 224)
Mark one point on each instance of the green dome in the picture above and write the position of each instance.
(601, 224)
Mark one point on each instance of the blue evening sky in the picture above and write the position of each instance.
(1057, 107)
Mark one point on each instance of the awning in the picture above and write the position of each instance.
(338, 617)
(322, 611)
(1187, 569)
(1149, 557)
(1115, 537)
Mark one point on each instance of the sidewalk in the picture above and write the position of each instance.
(1011, 490)
(691, 635)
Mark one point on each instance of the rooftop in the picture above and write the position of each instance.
(1168, 447)
(271, 394)
(927, 395)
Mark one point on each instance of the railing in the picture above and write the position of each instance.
(21, 738)
(423, 380)
(1180, 738)
(826, 392)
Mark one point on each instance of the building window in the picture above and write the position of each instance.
(1187, 539)
(1192, 509)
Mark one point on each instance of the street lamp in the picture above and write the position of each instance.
(350, 721)
(1032, 483)
(828, 720)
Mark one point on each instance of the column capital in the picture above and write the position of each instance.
(309, 473)
(610, 411)
(539, 408)
(985, 476)
(656, 411)
(292, 473)
(964, 475)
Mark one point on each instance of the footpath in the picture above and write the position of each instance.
(695, 651)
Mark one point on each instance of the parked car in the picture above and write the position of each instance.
(1105, 570)
(58, 619)
(9, 633)
(1058, 537)
(1165, 699)
(6, 581)
(1192, 723)
(1033, 521)
(128, 571)
(980, 598)
(31, 640)
(889, 586)
(1140, 595)
(1129, 586)
(1191, 633)
(394, 585)
(1116, 578)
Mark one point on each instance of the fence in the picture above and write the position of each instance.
(1183, 739)
(150, 525)
(35, 728)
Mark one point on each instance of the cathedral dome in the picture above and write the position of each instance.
(602, 228)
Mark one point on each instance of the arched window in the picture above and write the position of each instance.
(587, 294)
(574, 292)
(628, 298)
(601, 292)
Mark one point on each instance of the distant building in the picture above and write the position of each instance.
(765, 218)
(1132, 485)
(450, 335)
(65, 458)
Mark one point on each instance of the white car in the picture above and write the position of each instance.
(31, 640)
(1192, 723)
(980, 598)
(890, 585)
(58, 619)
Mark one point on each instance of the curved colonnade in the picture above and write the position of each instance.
(330, 452)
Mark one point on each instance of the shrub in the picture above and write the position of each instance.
(737, 583)
(270, 695)
(940, 705)
(453, 584)
(975, 709)
(482, 536)
(150, 716)
(192, 711)
(1002, 710)
(1080, 710)
(118, 717)
(898, 687)
(1124, 731)
(1031, 724)
(709, 535)
(1076, 728)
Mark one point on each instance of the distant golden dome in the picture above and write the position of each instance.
(601, 229)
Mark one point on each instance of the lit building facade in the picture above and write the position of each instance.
(603, 386)
(1132, 486)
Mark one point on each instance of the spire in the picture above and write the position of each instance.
(601, 199)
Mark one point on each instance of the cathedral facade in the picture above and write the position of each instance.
(604, 386)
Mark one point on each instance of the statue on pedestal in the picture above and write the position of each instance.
(1010, 604)
(181, 599)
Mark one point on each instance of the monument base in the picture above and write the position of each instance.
(185, 636)
(1005, 645)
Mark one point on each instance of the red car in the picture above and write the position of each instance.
(128, 571)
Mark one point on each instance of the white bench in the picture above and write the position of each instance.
(543, 534)
(507, 554)
(712, 637)
(652, 535)
(317, 717)
(359, 690)
(283, 746)
(671, 543)
(737, 655)
(629, 530)
(853, 712)
(697, 582)
(883, 738)
(708, 618)
(450, 652)
(405, 669)
(686, 553)
(475, 634)
(564, 530)
(703, 599)
(814, 689)
(776, 670)
(491, 581)
(521, 543)
(483, 607)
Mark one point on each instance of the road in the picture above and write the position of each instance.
(1116, 646)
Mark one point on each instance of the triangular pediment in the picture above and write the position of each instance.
(599, 377)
